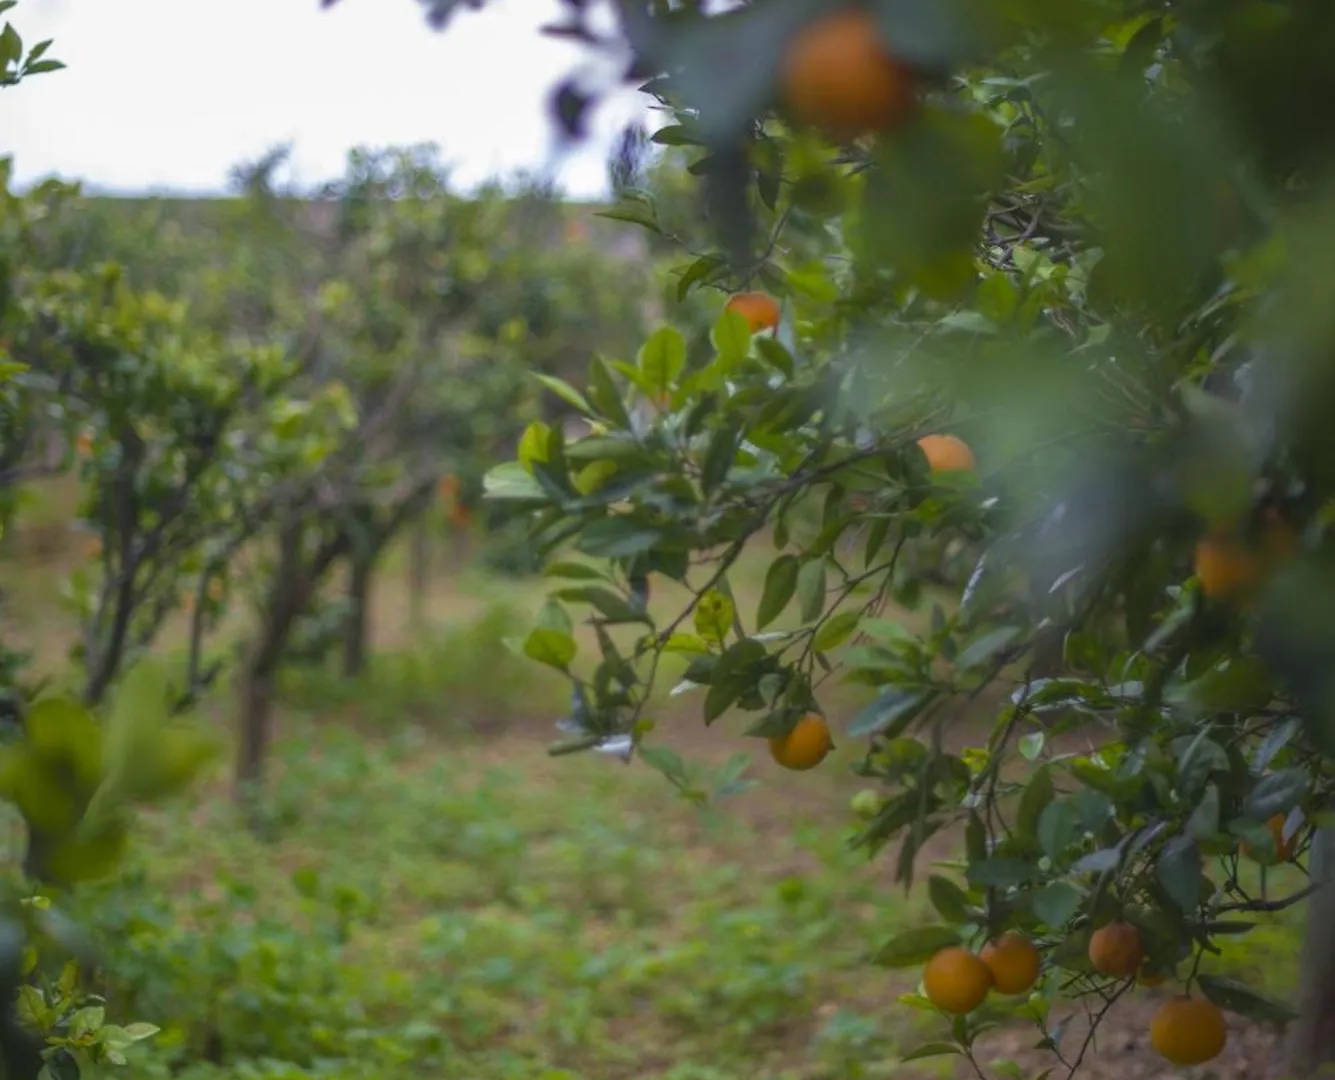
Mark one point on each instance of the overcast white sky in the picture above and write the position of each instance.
(168, 94)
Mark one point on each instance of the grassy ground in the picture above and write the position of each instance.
(432, 895)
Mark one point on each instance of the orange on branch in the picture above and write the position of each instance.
(956, 981)
(805, 746)
(947, 453)
(1283, 848)
(1014, 962)
(760, 310)
(1115, 950)
(838, 76)
(1189, 1031)
(1230, 567)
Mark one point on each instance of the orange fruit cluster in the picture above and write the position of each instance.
(957, 981)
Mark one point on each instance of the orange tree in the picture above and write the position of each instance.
(72, 780)
(1079, 249)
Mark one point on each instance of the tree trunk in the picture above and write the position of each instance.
(357, 627)
(419, 573)
(1312, 1038)
(253, 737)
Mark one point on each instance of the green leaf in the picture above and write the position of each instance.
(914, 947)
(613, 607)
(1038, 793)
(1239, 998)
(811, 589)
(1276, 793)
(984, 648)
(731, 338)
(951, 902)
(574, 571)
(1055, 904)
(511, 481)
(719, 458)
(1001, 871)
(890, 714)
(1179, 872)
(605, 395)
(1031, 745)
(550, 647)
(665, 760)
(63, 733)
(835, 631)
(930, 1050)
(780, 585)
(1204, 821)
(565, 392)
(662, 357)
(615, 537)
(636, 213)
(705, 267)
(1056, 828)
(714, 614)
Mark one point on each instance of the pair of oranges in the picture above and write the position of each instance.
(957, 981)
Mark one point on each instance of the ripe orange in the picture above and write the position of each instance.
(1232, 569)
(1115, 950)
(1283, 848)
(760, 311)
(838, 76)
(1014, 963)
(805, 746)
(1226, 568)
(956, 981)
(946, 453)
(1189, 1031)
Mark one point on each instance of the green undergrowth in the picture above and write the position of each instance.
(467, 908)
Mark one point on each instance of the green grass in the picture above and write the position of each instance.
(469, 907)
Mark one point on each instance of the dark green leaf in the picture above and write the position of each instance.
(605, 395)
(950, 901)
(914, 947)
(612, 538)
(890, 714)
(1038, 793)
(930, 1050)
(1239, 998)
(1277, 793)
(982, 649)
(811, 589)
(612, 606)
(1000, 872)
(1057, 828)
(1056, 903)
(699, 272)
(1179, 872)
(780, 585)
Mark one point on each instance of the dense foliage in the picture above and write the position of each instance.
(1048, 276)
